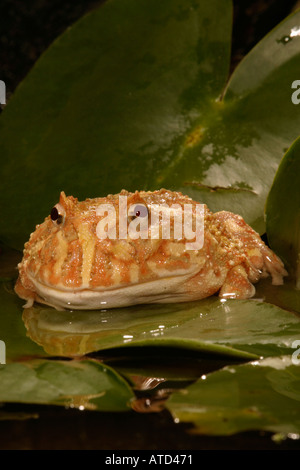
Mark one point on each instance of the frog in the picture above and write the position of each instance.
(79, 258)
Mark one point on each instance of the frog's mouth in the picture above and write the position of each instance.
(162, 290)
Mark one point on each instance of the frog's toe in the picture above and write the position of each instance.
(274, 266)
(237, 285)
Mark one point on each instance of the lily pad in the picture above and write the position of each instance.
(108, 102)
(237, 328)
(229, 331)
(72, 334)
(283, 213)
(76, 384)
(134, 95)
(263, 395)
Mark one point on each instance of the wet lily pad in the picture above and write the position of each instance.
(236, 328)
(78, 333)
(232, 330)
(134, 95)
(263, 395)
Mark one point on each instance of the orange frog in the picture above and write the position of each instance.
(134, 248)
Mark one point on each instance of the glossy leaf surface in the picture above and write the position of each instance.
(107, 106)
(129, 97)
(210, 326)
(84, 385)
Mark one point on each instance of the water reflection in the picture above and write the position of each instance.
(188, 333)
(208, 326)
(77, 333)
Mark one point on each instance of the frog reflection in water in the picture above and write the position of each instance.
(68, 266)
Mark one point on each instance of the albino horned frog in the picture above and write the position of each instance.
(77, 259)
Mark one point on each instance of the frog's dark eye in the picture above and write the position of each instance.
(58, 214)
(138, 210)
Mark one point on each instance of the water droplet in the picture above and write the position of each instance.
(284, 40)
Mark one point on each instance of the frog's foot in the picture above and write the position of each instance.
(237, 284)
(259, 260)
(273, 266)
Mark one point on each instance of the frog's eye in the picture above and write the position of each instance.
(58, 214)
(138, 210)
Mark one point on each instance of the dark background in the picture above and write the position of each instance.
(26, 30)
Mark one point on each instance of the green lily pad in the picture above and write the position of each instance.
(263, 395)
(134, 96)
(77, 333)
(243, 139)
(233, 330)
(237, 328)
(282, 211)
(109, 100)
(77, 384)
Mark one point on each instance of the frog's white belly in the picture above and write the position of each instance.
(167, 289)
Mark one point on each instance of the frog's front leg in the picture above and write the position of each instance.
(250, 257)
(237, 284)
